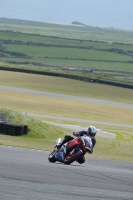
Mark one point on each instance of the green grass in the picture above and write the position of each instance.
(105, 148)
(98, 57)
(14, 36)
(68, 63)
(66, 32)
(57, 52)
(65, 108)
(73, 87)
(42, 137)
(119, 149)
(37, 129)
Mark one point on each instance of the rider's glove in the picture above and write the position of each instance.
(58, 146)
(74, 133)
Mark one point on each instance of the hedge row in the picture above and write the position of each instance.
(13, 129)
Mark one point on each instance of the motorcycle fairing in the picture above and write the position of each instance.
(73, 143)
(60, 155)
(79, 149)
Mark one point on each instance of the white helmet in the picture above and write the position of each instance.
(91, 131)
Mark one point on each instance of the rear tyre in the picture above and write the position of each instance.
(71, 158)
(51, 157)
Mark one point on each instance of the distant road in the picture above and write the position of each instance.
(81, 120)
(79, 128)
(74, 98)
(69, 97)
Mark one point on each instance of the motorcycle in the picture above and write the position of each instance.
(72, 150)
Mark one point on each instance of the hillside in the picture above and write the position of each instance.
(73, 25)
(67, 49)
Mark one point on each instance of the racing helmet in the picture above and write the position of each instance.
(91, 131)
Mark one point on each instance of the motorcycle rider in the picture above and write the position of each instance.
(91, 132)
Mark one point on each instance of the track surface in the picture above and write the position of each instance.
(27, 174)
(70, 97)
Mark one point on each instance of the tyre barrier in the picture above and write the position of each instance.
(13, 129)
(1, 127)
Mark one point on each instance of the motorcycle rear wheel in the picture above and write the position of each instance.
(51, 157)
(71, 158)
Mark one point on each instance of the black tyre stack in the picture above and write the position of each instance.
(1, 127)
(13, 129)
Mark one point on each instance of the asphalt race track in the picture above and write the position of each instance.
(28, 175)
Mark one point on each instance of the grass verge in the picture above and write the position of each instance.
(73, 87)
(31, 103)
(118, 149)
(37, 129)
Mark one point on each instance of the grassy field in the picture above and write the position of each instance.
(108, 149)
(72, 33)
(15, 36)
(73, 87)
(118, 149)
(65, 108)
(68, 53)
(53, 50)
(69, 63)
(59, 57)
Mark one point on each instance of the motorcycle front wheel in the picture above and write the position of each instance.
(70, 158)
(51, 157)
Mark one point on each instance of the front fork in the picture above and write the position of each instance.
(76, 148)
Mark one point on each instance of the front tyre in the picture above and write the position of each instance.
(70, 158)
(51, 157)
